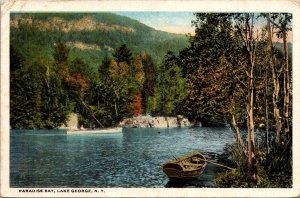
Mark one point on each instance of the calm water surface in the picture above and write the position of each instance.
(50, 158)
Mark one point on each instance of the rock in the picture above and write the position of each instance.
(72, 123)
(155, 122)
(185, 123)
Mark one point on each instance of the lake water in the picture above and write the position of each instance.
(50, 158)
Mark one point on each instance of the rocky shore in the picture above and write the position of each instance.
(155, 122)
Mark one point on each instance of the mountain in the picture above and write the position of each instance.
(90, 35)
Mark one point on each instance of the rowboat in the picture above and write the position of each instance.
(95, 131)
(189, 166)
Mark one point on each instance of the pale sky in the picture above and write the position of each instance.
(174, 22)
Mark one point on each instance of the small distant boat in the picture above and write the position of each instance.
(189, 166)
(95, 131)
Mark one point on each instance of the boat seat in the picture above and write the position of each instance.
(197, 160)
(190, 164)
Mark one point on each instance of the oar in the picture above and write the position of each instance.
(171, 153)
(216, 163)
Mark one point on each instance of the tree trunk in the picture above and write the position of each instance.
(116, 104)
(91, 112)
(276, 84)
(245, 29)
(250, 125)
(266, 110)
(286, 87)
(116, 110)
(237, 132)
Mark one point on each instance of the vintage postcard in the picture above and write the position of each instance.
(150, 98)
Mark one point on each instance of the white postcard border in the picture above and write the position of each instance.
(150, 5)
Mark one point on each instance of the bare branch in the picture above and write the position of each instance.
(238, 79)
(275, 24)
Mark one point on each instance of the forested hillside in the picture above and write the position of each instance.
(89, 35)
(102, 66)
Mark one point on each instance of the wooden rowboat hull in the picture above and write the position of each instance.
(187, 167)
(175, 174)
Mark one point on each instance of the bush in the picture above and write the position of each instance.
(233, 178)
(273, 169)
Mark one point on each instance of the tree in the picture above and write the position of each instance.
(137, 104)
(226, 92)
(46, 102)
(119, 73)
(245, 28)
(172, 86)
(56, 103)
(123, 54)
(137, 73)
(216, 37)
(25, 93)
(61, 54)
(149, 84)
(199, 61)
(103, 69)
(275, 82)
(16, 59)
(136, 79)
(284, 26)
(262, 85)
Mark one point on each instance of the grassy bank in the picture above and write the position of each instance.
(273, 169)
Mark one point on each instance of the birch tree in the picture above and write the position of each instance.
(281, 24)
(245, 29)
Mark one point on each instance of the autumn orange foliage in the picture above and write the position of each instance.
(78, 81)
(137, 104)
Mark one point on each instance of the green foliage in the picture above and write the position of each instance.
(231, 179)
(274, 169)
(172, 86)
(149, 85)
(61, 52)
(100, 98)
(137, 72)
(210, 65)
(26, 101)
(57, 104)
(123, 54)
(46, 102)
(16, 59)
(237, 156)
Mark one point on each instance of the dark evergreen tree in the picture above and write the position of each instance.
(123, 54)
(172, 86)
(26, 97)
(103, 68)
(61, 52)
(149, 84)
(16, 59)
